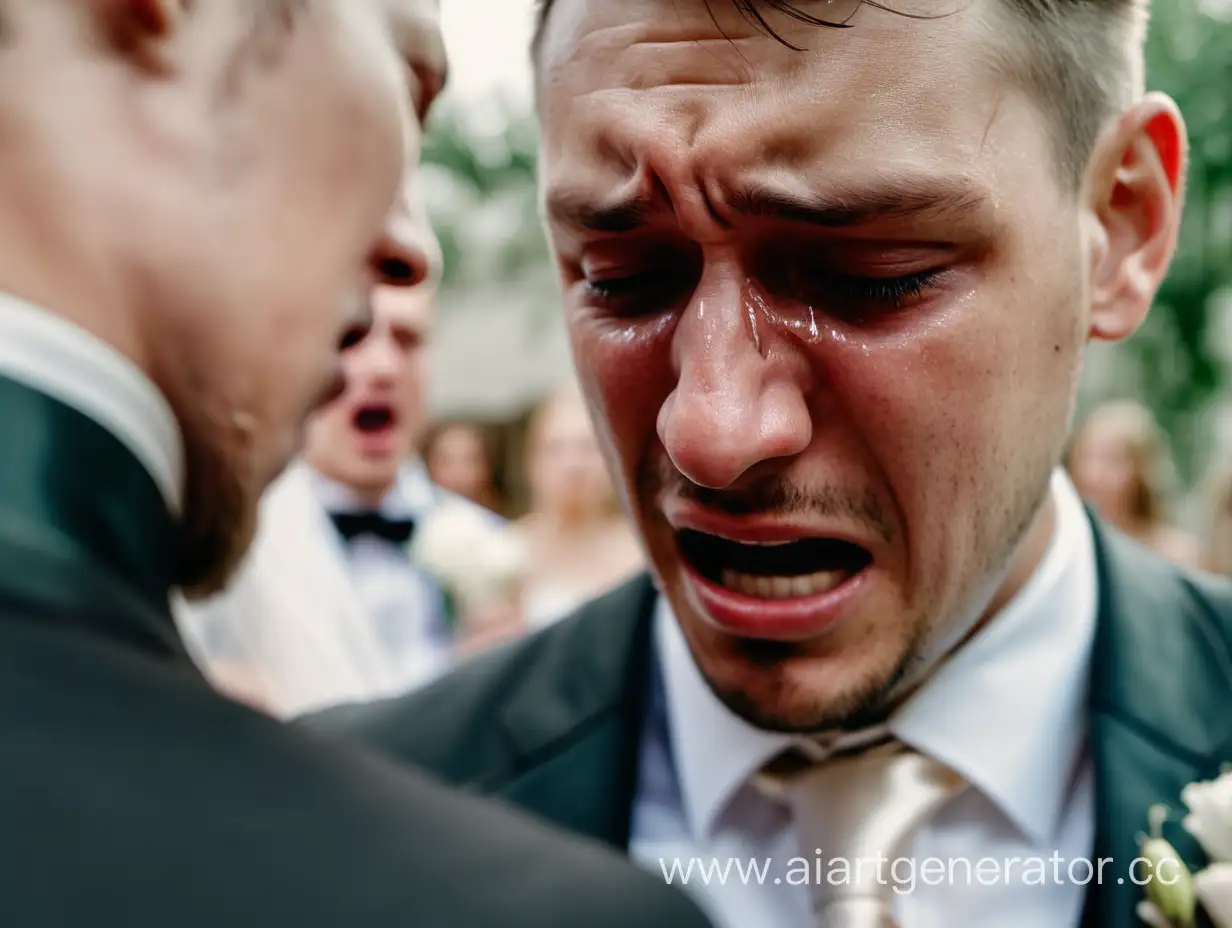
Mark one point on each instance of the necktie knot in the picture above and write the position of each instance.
(860, 811)
(351, 525)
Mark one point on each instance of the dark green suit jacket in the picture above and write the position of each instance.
(133, 796)
(554, 722)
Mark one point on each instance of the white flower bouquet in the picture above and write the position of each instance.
(1173, 903)
(478, 561)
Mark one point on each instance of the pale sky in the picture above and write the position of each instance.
(488, 43)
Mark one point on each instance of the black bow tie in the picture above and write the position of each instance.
(351, 525)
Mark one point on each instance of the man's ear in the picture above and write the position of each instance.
(140, 28)
(1136, 191)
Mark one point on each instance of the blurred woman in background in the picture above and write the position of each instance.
(579, 543)
(460, 459)
(1217, 519)
(1122, 466)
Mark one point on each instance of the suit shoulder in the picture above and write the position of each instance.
(301, 831)
(452, 726)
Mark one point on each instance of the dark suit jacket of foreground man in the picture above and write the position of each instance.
(133, 796)
(554, 722)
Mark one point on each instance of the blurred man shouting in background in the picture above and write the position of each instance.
(829, 268)
(197, 201)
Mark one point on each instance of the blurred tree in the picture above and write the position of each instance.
(1176, 365)
(484, 206)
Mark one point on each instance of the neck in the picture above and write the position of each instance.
(45, 230)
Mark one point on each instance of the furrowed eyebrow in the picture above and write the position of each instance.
(624, 215)
(843, 209)
(860, 206)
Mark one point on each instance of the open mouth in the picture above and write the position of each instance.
(773, 571)
(374, 418)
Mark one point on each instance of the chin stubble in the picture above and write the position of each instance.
(220, 507)
(779, 704)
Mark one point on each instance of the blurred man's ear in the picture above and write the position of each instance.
(1136, 191)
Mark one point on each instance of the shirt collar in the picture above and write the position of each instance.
(69, 364)
(1025, 672)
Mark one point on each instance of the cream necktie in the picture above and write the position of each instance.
(861, 809)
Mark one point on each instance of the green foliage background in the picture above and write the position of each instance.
(1177, 369)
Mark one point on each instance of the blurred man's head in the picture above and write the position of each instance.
(828, 291)
(364, 436)
(207, 186)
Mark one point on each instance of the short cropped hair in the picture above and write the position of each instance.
(1081, 60)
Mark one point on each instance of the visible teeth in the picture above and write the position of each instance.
(783, 587)
(758, 544)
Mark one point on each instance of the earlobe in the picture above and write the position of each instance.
(1137, 196)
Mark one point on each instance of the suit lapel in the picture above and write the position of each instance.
(574, 725)
(1159, 688)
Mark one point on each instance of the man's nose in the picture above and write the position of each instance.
(400, 260)
(408, 254)
(741, 391)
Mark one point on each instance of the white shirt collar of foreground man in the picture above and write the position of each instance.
(69, 364)
(1007, 711)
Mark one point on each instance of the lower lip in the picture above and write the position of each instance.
(798, 619)
(379, 444)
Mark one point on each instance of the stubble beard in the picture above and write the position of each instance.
(220, 509)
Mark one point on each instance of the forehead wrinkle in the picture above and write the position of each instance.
(647, 56)
(654, 65)
(898, 93)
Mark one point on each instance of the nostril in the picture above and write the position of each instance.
(352, 337)
(398, 272)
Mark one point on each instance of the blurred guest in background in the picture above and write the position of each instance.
(1121, 464)
(579, 541)
(460, 458)
(1217, 522)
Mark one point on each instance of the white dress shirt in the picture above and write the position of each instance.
(403, 602)
(1007, 711)
(69, 364)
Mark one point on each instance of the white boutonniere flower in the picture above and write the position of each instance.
(477, 560)
(1209, 820)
